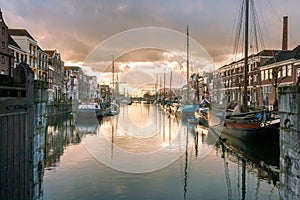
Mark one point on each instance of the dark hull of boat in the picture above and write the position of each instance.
(89, 113)
(203, 122)
(269, 132)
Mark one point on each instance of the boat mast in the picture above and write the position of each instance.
(113, 76)
(187, 64)
(245, 96)
(170, 95)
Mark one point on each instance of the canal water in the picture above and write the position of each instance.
(143, 153)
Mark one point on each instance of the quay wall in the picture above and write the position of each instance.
(289, 107)
(16, 135)
(58, 108)
(22, 134)
(40, 122)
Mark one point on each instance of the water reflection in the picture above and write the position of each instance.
(259, 161)
(63, 131)
(201, 169)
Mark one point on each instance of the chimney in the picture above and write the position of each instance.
(285, 33)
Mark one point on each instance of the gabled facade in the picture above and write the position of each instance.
(19, 54)
(42, 65)
(55, 76)
(73, 75)
(34, 56)
(6, 55)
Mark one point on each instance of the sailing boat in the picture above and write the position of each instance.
(188, 109)
(250, 125)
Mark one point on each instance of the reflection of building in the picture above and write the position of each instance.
(60, 133)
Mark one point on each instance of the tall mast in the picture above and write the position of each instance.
(113, 76)
(245, 96)
(170, 85)
(187, 64)
(164, 84)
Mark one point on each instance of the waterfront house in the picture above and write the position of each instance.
(34, 55)
(283, 70)
(6, 59)
(56, 76)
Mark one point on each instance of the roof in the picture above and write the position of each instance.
(12, 42)
(20, 32)
(50, 52)
(71, 67)
(265, 52)
(285, 55)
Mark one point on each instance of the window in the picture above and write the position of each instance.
(298, 72)
(17, 57)
(267, 89)
(262, 75)
(267, 74)
(3, 60)
(289, 70)
(279, 72)
(3, 45)
(270, 75)
(283, 71)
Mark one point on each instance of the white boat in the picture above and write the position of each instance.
(89, 110)
(114, 109)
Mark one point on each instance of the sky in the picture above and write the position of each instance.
(75, 28)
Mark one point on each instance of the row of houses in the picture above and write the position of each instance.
(19, 46)
(267, 70)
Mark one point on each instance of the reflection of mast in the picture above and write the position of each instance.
(228, 182)
(186, 165)
(243, 179)
(164, 127)
(112, 138)
(196, 143)
(160, 87)
(170, 132)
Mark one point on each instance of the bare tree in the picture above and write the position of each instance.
(276, 81)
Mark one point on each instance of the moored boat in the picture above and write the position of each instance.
(251, 127)
(202, 115)
(113, 109)
(89, 110)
